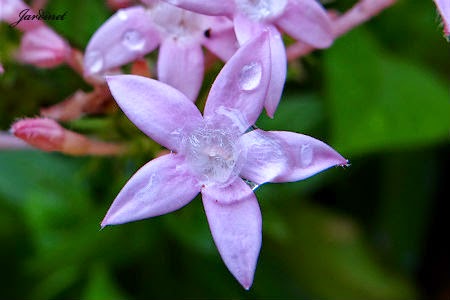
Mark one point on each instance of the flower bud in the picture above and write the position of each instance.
(43, 47)
(45, 134)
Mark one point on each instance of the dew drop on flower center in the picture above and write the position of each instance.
(261, 9)
(213, 154)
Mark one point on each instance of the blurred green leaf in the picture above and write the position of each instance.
(331, 259)
(378, 102)
(296, 112)
(101, 286)
(83, 18)
(408, 186)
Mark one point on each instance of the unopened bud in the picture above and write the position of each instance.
(45, 134)
(43, 47)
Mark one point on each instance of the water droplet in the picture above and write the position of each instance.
(142, 193)
(94, 61)
(250, 76)
(133, 40)
(261, 9)
(253, 185)
(122, 15)
(306, 155)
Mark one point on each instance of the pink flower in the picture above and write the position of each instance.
(305, 20)
(444, 9)
(43, 47)
(133, 32)
(212, 154)
(10, 12)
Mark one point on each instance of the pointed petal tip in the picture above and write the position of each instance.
(247, 284)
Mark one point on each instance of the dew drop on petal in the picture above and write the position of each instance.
(306, 155)
(250, 76)
(94, 61)
(142, 193)
(133, 40)
(122, 15)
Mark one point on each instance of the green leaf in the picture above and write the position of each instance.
(380, 102)
(296, 112)
(83, 18)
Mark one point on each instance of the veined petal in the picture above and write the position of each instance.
(243, 82)
(235, 227)
(127, 35)
(278, 71)
(160, 111)
(307, 21)
(181, 65)
(281, 156)
(211, 8)
(159, 187)
(221, 39)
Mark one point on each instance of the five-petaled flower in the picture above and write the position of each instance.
(305, 20)
(214, 153)
(134, 32)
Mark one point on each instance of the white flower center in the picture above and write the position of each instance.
(213, 155)
(176, 22)
(259, 10)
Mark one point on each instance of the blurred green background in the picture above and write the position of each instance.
(375, 230)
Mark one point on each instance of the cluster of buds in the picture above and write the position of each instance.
(220, 154)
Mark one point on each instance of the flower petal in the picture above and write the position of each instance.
(43, 47)
(282, 156)
(246, 28)
(221, 39)
(12, 12)
(307, 21)
(181, 66)
(243, 82)
(278, 71)
(236, 228)
(160, 111)
(126, 36)
(159, 187)
(211, 8)
(444, 9)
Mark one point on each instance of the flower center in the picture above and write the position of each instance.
(212, 154)
(176, 22)
(259, 10)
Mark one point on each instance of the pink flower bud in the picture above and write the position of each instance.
(1, 69)
(45, 134)
(44, 48)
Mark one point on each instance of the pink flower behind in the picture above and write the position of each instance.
(134, 32)
(305, 20)
(43, 47)
(213, 154)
